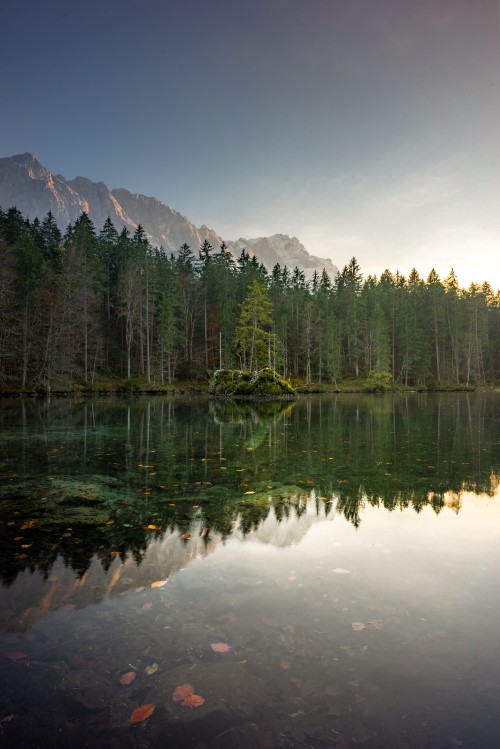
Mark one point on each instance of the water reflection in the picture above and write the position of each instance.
(107, 478)
(343, 550)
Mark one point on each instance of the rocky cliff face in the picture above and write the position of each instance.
(34, 190)
(29, 186)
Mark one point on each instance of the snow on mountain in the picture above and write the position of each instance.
(34, 190)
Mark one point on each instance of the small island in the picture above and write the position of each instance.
(261, 384)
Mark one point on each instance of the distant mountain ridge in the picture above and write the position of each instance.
(34, 190)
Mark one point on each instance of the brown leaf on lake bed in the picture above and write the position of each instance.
(127, 678)
(28, 524)
(16, 655)
(193, 700)
(141, 713)
(358, 626)
(220, 647)
(305, 687)
(181, 692)
(332, 690)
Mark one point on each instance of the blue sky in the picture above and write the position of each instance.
(364, 127)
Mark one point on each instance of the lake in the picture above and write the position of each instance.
(194, 573)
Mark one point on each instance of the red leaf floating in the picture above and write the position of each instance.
(180, 693)
(220, 647)
(127, 678)
(193, 700)
(141, 713)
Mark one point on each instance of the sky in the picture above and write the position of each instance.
(366, 128)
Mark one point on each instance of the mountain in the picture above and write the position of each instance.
(34, 190)
(285, 250)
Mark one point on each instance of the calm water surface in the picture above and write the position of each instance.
(316, 574)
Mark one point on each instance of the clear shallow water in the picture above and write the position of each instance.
(344, 551)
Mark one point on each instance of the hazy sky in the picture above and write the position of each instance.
(363, 127)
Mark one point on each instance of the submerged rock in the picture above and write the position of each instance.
(263, 383)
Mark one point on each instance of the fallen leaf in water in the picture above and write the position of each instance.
(193, 700)
(376, 623)
(186, 536)
(127, 678)
(141, 713)
(152, 669)
(16, 655)
(147, 606)
(358, 626)
(159, 583)
(152, 528)
(180, 693)
(305, 687)
(285, 664)
(220, 647)
(249, 492)
(29, 524)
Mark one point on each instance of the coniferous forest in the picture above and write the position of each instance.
(91, 306)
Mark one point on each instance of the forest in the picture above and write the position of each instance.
(89, 307)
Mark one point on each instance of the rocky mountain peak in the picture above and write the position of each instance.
(34, 190)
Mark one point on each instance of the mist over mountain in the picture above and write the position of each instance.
(34, 190)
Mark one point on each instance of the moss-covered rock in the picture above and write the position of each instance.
(264, 383)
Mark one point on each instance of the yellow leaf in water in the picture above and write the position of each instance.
(152, 669)
(249, 492)
(159, 583)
